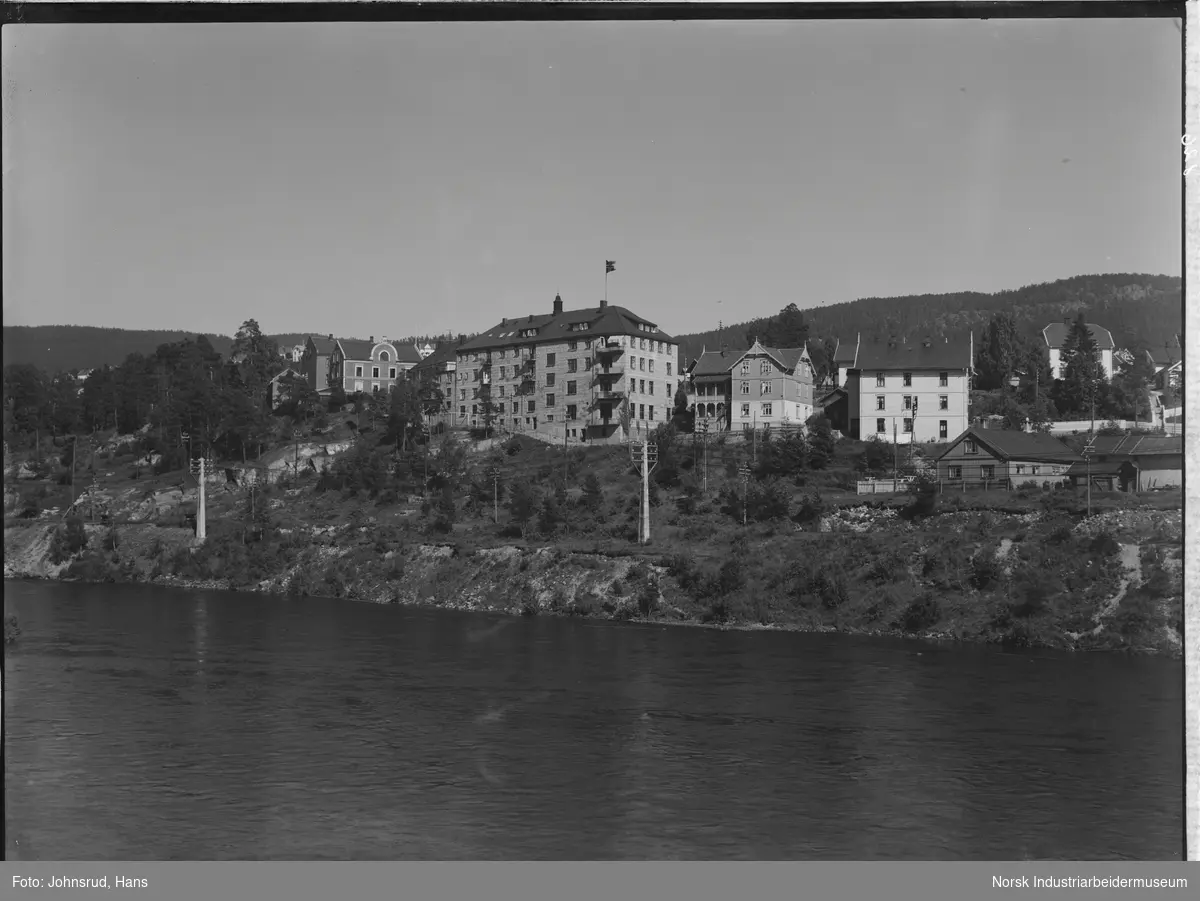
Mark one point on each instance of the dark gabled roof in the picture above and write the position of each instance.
(353, 349)
(831, 397)
(1096, 469)
(846, 353)
(295, 373)
(321, 344)
(1137, 445)
(913, 355)
(1055, 335)
(1164, 356)
(602, 321)
(446, 352)
(407, 353)
(788, 357)
(715, 362)
(1010, 444)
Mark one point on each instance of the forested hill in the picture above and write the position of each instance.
(54, 348)
(1145, 309)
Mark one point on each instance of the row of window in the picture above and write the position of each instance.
(911, 403)
(880, 381)
(988, 471)
(658, 347)
(881, 427)
(639, 411)
(358, 371)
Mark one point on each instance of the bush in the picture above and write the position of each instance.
(922, 614)
(986, 571)
(812, 509)
(1104, 545)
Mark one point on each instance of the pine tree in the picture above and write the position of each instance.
(1082, 375)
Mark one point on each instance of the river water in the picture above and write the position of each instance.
(151, 723)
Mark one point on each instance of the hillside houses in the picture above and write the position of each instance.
(1004, 458)
(760, 387)
(1055, 336)
(907, 391)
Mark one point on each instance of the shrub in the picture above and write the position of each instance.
(985, 570)
(1104, 545)
(922, 614)
(732, 575)
(812, 508)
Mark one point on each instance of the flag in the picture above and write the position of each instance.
(609, 266)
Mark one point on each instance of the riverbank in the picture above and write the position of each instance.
(1031, 580)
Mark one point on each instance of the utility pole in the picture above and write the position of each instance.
(199, 468)
(566, 454)
(1088, 450)
(494, 475)
(895, 456)
(704, 451)
(744, 472)
(296, 459)
(648, 460)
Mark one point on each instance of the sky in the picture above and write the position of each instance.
(430, 178)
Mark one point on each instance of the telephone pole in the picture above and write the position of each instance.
(199, 468)
(645, 461)
(744, 472)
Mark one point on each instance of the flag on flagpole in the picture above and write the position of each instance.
(609, 266)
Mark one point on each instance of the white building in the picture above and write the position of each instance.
(1055, 335)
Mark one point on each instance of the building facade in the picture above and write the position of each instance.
(315, 363)
(755, 388)
(568, 373)
(1055, 335)
(370, 367)
(910, 391)
(435, 380)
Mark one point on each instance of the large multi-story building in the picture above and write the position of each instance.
(568, 373)
(910, 391)
(314, 362)
(755, 388)
(1055, 336)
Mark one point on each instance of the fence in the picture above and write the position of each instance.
(884, 486)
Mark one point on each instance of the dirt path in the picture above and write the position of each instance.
(1131, 563)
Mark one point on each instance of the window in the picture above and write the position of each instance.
(651, 365)
(908, 380)
(943, 402)
(550, 359)
(745, 387)
(1035, 469)
(587, 343)
(764, 368)
(745, 410)
(549, 379)
(532, 406)
(462, 411)
(587, 362)
(642, 364)
(641, 410)
(879, 402)
(375, 388)
(643, 344)
(642, 387)
(668, 368)
(502, 387)
(942, 429)
(766, 409)
(572, 411)
(474, 409)
(572, 345)
(908, 426)
(651, 411)
(880, 426)
(651, 391)
(383, 357)
(502, 373)
(943, 379)
(954, 472)
(764, 388)
(572, 365)
(549, 400)
(502, 353)
(392, 372)
(462, 393)
(879, 380)
(474, 392)
(971, 446)
(908, 401)
(358, 371)
(745, 367)
(571, 387)
(1020, 469)
(988, 472)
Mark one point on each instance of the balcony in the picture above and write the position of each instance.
(609, 350)
(606, 376)
(609, 396)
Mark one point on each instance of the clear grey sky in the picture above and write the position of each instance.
(425, 178)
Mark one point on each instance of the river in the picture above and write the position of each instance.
(152, 723)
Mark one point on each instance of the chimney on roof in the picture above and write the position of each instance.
(504, 321)
(331, 336)
(531, 317)
(604, 304)
(557, 304)
(462, 339)
(372, 339)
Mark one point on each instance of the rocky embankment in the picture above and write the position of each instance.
(1129, 597)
